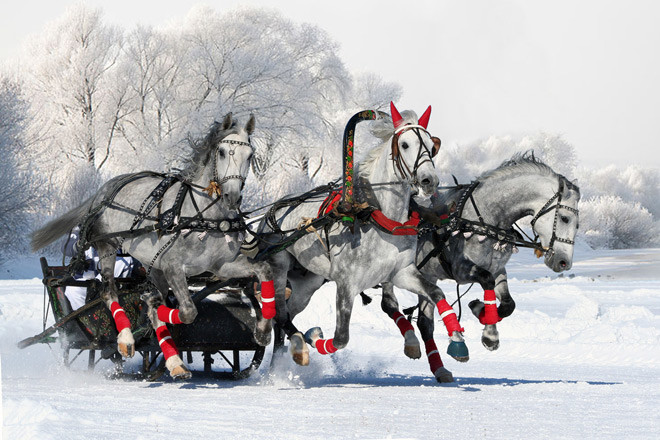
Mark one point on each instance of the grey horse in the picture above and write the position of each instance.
(199, 230)
(477, 241)
(362, 256)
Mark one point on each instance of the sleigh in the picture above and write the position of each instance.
(222, 333)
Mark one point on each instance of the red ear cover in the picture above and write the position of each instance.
(424, 120)
(397, 120)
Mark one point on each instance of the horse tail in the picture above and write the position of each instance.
(54, 229)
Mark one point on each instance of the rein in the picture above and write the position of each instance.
(456, 224)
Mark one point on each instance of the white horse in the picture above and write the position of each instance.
(199, 230)
(477, 240)
(380, 249)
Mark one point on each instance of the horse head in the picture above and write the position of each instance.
(233, 153)
(556, 224)
(413, 149)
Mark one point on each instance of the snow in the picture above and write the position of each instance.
(579, 358)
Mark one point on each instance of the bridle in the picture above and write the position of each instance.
(216, 183)
(563, 184)
(424, 154)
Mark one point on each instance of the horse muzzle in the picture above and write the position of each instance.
(427, 184)
(558, 261)
(231, 194)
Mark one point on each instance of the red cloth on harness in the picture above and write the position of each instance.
(392, 226)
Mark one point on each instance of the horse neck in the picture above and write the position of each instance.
(502, 200)
(394, 199)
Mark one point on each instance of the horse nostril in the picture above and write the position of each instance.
(426, 181)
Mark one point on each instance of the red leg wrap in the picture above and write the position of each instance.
(171, 316)
(401, 322)
(433, 355)
(166, 342)
(489, 315)
(118, 314)
(325, 346)
(268, 299)
(449, 317)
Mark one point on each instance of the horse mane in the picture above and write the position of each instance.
(202, 149)
(524, 160)
(383, 130)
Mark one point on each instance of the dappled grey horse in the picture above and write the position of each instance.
(473, 240)
(178, 226)
(372, 252)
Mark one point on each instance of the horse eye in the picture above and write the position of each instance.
(565, 219)
(221, 152)
(404, 145)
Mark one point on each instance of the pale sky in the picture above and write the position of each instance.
(589, 70)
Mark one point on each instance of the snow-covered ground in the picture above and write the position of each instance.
(579, 358)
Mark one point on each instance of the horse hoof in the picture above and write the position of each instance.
(126, 350)
(411, 347)
(412, 351)
(299, 350)
(177, 368)
(313, 334)
(262, 339)
(180, 373)
(459, 351)
(490, 344)
(126, 343)
(443, 375)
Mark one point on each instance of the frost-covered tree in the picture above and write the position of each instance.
(69, 83)
(19, 194)
(612, 223)
(466, 161)
(107, 101)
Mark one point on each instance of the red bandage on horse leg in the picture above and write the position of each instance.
(268, 299)
(448, 317)
(171, 316)
(118, 314)
(166, 342)
(401, 322)
(433, 355)
(325, 346)
(489, 315)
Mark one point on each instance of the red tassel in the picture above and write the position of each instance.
(171, 316)
(401, 322)
(118, 314)
(166, 342)
(268, 299)
(424, 120)
(449, 317)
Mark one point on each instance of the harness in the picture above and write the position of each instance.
(453, 224)
(168, 222)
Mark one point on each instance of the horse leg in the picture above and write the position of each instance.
(486, 311)
(125, 341)
(390, 306)
(411, 279)
(242, 267)
(303, 286)
(345, 299)
(426, 327)
(155, 310)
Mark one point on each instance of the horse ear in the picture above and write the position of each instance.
(397, 120)
(424, 120)
(227, 121)
(249, 127)
(436, 144)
